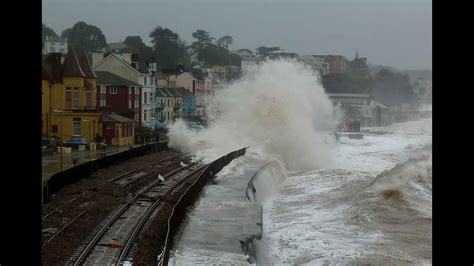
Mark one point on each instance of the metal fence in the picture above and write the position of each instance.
(190, 196)
(72, 175)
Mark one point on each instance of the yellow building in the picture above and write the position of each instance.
(220, 70)
(69, 97)
(117, 130)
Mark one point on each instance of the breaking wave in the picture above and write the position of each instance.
(278, 109)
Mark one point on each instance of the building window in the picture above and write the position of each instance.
(113, 90)
(145, 81)
(144, 114)
(54, 128)
(129, 90)
(68, 97)
(75, 98)
(88, 97)
(102, 89)
(77, 128)
(51, 49)
(151, 97)
(129, 103)
(137, 117)
(145, 97)
(172, 83)
(137, 103)
(168, 102)
(137, 90)
(102, 102)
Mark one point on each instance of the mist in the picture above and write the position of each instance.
(278, 110)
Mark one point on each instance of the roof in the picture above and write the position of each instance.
(111, 55)
(352, 99)
(52, 67)
(85, 65)
(54, 39)
(71, 67)
(348, 95)
(104, 77)
(198, 73)
(109, 117)
(243, 50)
(172, 92)
(184, 92)
(277, 52)
(117, 45)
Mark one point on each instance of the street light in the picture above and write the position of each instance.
(90, 138)
(61, 136)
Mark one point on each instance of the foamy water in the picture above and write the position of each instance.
(373, 207)
(355, 201)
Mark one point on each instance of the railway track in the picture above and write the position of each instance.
(120, 177)
(52, 232)
(111, 241)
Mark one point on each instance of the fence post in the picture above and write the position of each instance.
(45, 191)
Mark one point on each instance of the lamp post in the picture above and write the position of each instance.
(61, 136)
(90, 138)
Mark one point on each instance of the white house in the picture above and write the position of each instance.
(317, 63)
(148, 82)
(55, 45)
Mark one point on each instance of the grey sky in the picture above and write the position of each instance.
(388, 32)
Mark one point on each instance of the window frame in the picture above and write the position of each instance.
(113, 90)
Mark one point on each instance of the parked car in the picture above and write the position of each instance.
(74, 142)
(48, 143)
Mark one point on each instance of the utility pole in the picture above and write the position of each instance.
(61, 141)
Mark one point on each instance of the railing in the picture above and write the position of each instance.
(189, 197)
(72, 175)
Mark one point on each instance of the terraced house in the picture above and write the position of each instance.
(169, 102)
(69, 96)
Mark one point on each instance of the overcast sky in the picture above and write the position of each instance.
(387, 32)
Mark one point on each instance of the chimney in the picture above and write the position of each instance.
(96, 57)
(127, 57)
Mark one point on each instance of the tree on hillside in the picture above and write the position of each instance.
(84, 36)
(203, 40)
(225, 41)
(235, 60)
(213, 55)
(168, 48)
(46, 31)
(66, 33)
(393, 88)
(136, 42)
